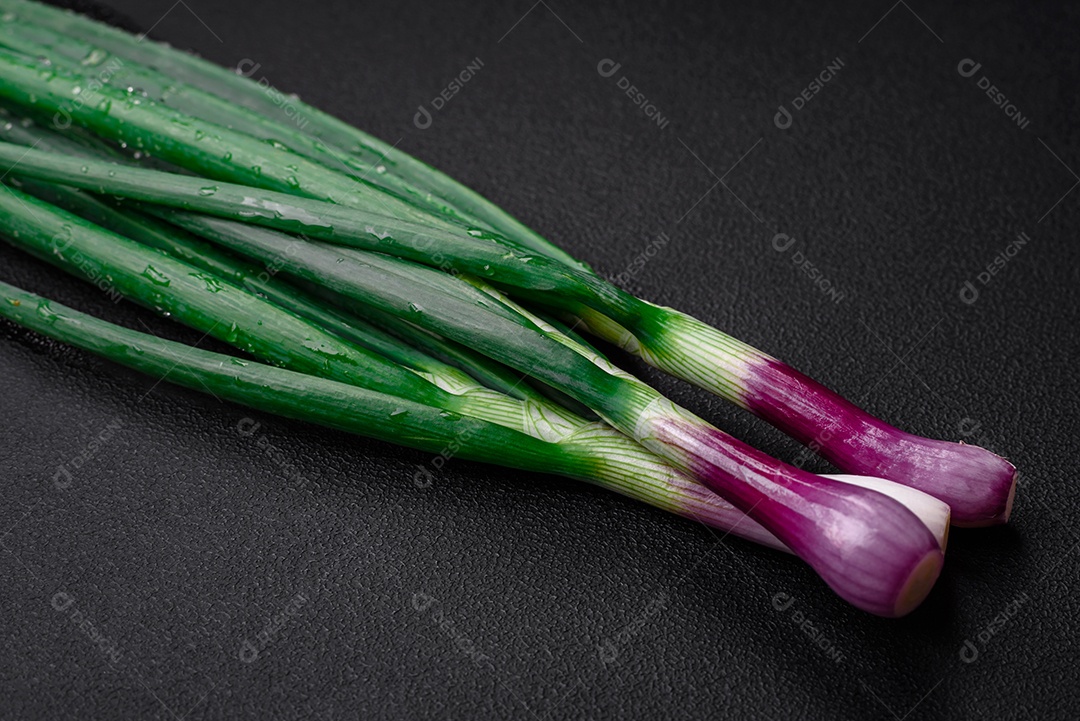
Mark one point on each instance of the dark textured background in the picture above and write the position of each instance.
(179, 538)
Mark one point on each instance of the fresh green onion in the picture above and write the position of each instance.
(248, 180)
(589, 452)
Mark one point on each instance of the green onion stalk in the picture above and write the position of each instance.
(260, 280)
(590, 453)
(568, 444)
(102, 68)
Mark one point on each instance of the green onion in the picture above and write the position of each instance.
(288, 393)
(878, 545)
(591, 452)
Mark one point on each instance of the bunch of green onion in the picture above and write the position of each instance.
(371, 293)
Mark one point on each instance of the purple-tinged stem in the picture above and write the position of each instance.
(978, 485)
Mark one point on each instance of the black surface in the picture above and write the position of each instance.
(179, 538)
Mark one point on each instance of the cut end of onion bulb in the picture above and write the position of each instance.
(935, 515)
(919, 583)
